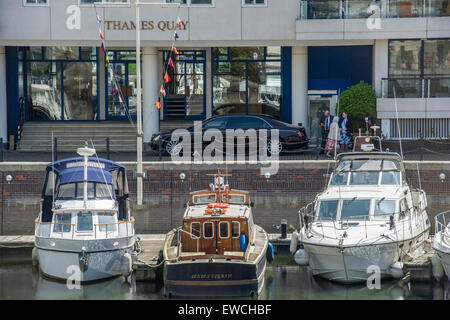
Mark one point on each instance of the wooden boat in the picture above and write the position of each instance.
(219, 250)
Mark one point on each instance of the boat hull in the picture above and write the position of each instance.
(354, 264)
(445, 260)
(82, 265)
(217, 278)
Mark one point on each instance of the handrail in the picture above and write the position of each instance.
(416, 78)
(21, 119)
(440, 225)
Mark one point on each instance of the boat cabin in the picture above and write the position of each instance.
(65, 211)
(218, 223)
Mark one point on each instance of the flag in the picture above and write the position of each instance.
(101, 35)
(163, 91)
(174, 49)
(167, 78)
(115, 89)
(158, 104)
(175, 36)
(180, 25)
(171, 63)
(102, 48)
(99, 20)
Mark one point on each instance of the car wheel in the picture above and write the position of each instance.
(274, 149)
(173, 148)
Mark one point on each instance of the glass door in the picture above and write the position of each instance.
(121, 97)
(194, 90)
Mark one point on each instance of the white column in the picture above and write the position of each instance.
(101, 89)
(150, 92)
(3, 106)
(380, 65)
(300, 85)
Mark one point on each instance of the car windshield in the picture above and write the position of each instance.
(95, 190)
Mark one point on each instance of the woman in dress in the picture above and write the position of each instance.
(346, 127)
(333, 136)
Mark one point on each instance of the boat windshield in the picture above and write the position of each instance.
(204, 198)
(74, 191)
(383, 209)
(366, 172)
(328, 209)
(355, 209)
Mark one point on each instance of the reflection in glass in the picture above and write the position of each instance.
(324, 9)
(328, 209)
(116, 106)
(404, 57)
(61, 53)
(364, 178)
(383, 209)
(229, 90)
(355, 209)
(247, 53)
(44, 90)
(80, 91)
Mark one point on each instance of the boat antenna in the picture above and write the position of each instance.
(398, 125)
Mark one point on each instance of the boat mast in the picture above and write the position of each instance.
(85, 153)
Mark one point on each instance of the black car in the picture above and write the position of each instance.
(290, 136)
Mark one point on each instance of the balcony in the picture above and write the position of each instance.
(362, 9)
(356, 19)
(416, 98)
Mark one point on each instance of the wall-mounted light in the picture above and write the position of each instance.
(442, 177)
(9, 178)
(182, 176)
(267, 175)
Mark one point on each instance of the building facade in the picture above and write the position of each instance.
(290, 59)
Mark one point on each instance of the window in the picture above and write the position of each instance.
(195, 230)
(390, 178)
(247, 123)
(205, 198)
(224, 229)
(364, 178)
(339, 179)
(208, 230)
(91, 2)
(107, 222)
(246, 3)
(328, 209)
(35, 2)
(383, 209)
(76, 191)
(193, 2)
(235, 229)
(62, 223)
(234, 198)
(216, 124)
(355, 209)
(84, 221)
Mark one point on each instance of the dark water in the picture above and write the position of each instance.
(284, 281)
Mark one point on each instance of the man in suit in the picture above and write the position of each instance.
(325, 123)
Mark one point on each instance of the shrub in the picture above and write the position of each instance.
(359, 101)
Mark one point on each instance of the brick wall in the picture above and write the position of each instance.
(279, 197)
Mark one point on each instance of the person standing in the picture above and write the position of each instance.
(325, 123)
(345, 124)
(333, 136)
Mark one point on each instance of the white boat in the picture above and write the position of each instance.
(441, 241)
(367, 220)
(84, 231)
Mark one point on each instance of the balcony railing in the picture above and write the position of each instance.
(425, 87)
(362, 9)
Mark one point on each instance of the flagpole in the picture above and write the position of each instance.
(139, 110)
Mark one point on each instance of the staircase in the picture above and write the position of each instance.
(175, 106)
(37, 135)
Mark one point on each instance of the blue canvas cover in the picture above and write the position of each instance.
(77, 175)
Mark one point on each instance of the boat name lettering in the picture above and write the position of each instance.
(81, 164)
(212, 276)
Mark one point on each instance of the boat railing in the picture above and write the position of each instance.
(405, 218)
(441, 224)
(67, 230)
(179, 230)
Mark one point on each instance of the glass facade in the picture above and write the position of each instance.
(59, 83)
(247, 80)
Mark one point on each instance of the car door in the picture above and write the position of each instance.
(220, 124)
(245, 123)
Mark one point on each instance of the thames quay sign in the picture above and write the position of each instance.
(163, 25)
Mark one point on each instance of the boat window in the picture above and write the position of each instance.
(383, 209)
(103, 191)
(66, 191)
(84, 221)
(390, 178)
(344, 165)
(234, 198)
(403, 207)
(339, 179)
(204, 198)
(62, 223)
(364, 178)
(236, 229)
(328, 209)
(76, 190)
(355, 209)
(195, 230)
(366, 165)
(224, 227)
(107, 222)
(389, 165)
(208, 231)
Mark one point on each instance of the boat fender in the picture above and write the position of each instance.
(126, 264)
(294, 242)
(269, 253)
(301, 257)
(436, 267)
(243, 242)
(34, 258)
(396, 270)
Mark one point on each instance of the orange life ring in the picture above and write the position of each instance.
(218, 205)
(209, 210)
